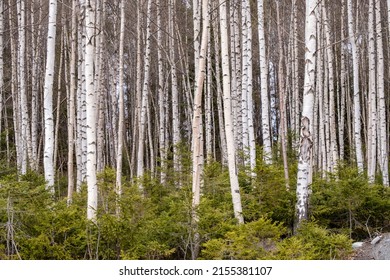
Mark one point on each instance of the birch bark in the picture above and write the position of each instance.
(305, 147)
(91, 103)
(372, 108)
(48, 97)
(382, 129)
(235, 189)
(145, 94)
(265, 112)
(119, 157)
(356, 90)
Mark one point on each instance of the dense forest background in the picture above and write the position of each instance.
(204, 129)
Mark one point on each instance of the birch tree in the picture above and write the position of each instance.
(161, 96)
(333, 148)
(174, 85)
(197, 137)
(71, 102)
(265, 122)
(306, 142)
(145, 93)
(91, 104)
(121, 106)
(282, 98)
(247, 90)
(24, 140)
(371, 98)
(235, 189)
(383, 154)
(48, 97)
(356, 90)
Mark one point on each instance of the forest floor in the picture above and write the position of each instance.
(378, 251)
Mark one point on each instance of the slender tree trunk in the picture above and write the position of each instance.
(265, 113)
(372, 108)
(343, 82)
(332, 108)
(58, 106)
(48, 97)
(91, 103)
(24, 132)
(356, 90)
(221, 123)
(306, 142)
(71, 104)
(382, 129)
(80, 111)
(14, 92)
(174, 86)
(197, 138)
(249, 145)
(296, 84)
(235, 189)
(161, 96)
(145, 94)
(121, 106)
(282, 98)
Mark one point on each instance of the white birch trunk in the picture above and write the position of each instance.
(48, 97)
(382, 129)
(245, 80)
(208, 102)
(356, 90)
(71, 104)
(25, 131)
(161, 96)
(282, 106)
(265, 113)
(197, 137)
(306, 142)
(145, 93)
(175, 94)
(119, 157)
(372, 108)
(197, 131)
(91, 103)
(332, 108)
(247, 91)
(343, 91)
(35, 82)
(235, 190)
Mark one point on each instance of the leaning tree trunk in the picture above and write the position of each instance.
(197, 133)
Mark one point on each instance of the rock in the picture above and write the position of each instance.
(377, 249)
(357, 245)
(381, 250)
